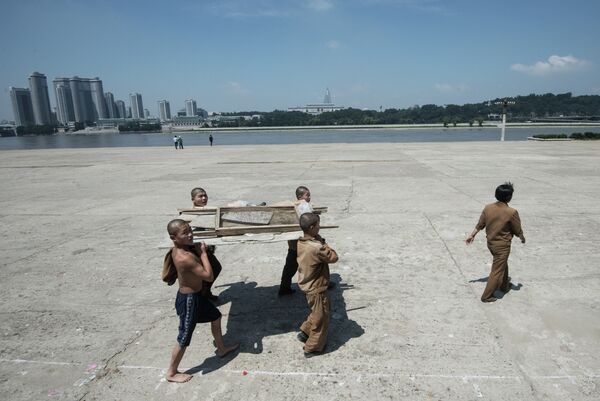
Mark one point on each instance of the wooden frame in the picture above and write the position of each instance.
(283, 219)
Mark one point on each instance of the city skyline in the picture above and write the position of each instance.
(268, 54)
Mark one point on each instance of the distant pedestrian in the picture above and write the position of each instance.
(501, 223)
(180, 142)
(210, 139)
(175, 141)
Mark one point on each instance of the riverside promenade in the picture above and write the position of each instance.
(85, 316)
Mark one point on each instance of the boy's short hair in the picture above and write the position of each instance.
(504, 192)
(307, 220)
(301, 190)
(175, 225)
(197, 191)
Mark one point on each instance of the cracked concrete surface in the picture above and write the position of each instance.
(86, 317)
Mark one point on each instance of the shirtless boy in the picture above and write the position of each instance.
(193, 268)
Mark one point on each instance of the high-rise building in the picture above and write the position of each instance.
(22, 106)
(190, 108)
(327, 98)
(65, 111)
(137, 106)
(121, 109)
(98, 97)
(146, 114)
(79, 100)
(38, 87)
(164, 110)
(111, 109)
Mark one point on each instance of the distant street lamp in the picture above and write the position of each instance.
(504, 104)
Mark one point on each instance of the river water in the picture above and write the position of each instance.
(281, 137)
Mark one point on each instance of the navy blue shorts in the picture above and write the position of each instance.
(192, 309)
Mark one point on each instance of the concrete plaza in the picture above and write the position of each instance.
(85, 316)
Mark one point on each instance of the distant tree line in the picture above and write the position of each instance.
(586, 136)
(139, 127)
(525, 108)
(36, 130)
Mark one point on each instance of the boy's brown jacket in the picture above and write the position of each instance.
(501, 222)
(313, 267)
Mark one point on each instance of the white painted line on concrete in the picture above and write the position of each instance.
(40, 362)
(359, 377)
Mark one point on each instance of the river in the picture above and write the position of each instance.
(281, 137)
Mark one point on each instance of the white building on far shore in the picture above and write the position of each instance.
(318, 108)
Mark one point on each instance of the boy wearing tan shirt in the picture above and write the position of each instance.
(501, 222)
(314, 256)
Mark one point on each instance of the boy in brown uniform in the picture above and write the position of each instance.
(313, 278)
(501, 222)
(189, 264)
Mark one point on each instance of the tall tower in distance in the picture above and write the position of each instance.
(137, 107)
(327, 98)
(111, 109)
(121, 109)
(164, 110)
(22, 107)
(65, 109)
(98, 97)
(190, 108)
(40, 100)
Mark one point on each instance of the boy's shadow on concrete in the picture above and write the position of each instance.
(213, 363)
(498, 294)
(257, 312)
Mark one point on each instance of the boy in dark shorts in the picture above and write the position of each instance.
(189, 264)
(314, 256)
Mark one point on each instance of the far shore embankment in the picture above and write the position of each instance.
(400, 127)
(384, 126)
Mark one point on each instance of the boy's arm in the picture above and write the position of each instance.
(515, 225)
(327, 254)
(480, 226)
(201, 268)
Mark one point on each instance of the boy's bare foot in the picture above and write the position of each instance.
(224, 351)
(178, 377)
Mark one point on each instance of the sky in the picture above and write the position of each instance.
(246, 55)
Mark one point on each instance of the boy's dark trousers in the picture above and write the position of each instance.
(317, 323)
(289, 269)
(498, 278)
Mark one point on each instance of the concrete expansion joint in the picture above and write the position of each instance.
(111, 366)
(346, 208)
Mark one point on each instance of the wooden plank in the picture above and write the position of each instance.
(248, 217)
(233, 231)
(217, 218)
(212, 210)
(227, 231)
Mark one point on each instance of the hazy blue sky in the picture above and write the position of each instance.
(232, 55)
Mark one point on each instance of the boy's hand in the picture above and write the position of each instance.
(320, 239)
(522, 239)
(470, 239)
(201, 247)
